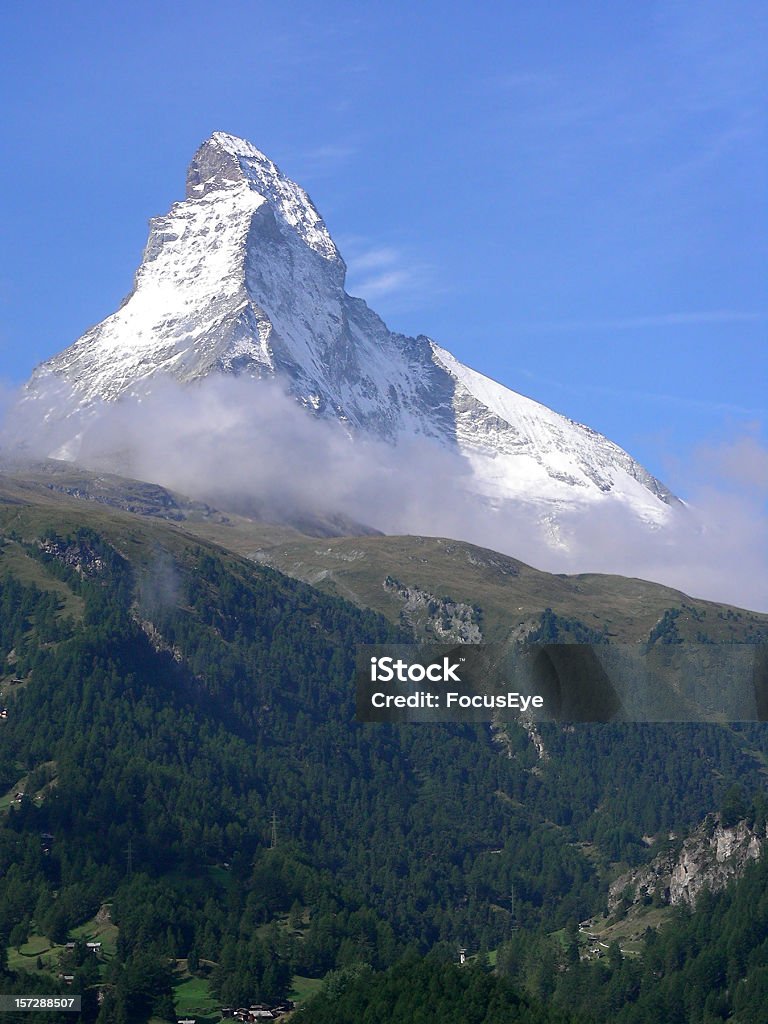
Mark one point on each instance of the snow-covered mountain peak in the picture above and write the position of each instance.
(242, 279)
(225, 161)
(241, 148)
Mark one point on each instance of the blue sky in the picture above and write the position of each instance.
(570, 197)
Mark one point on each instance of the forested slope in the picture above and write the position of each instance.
(167, 701)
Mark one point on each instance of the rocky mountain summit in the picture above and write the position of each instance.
(242, 278)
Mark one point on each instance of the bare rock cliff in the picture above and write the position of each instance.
(708, 859)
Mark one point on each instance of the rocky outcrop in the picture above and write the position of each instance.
(439, 618)
(708, 859)
(77, 555)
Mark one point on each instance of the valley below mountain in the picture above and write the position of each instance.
(179, 746)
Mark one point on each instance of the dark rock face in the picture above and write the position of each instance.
(211, 168)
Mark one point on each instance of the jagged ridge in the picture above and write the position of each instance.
(242, 277)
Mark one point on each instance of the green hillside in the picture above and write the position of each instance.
(180, 744)
(510, 594)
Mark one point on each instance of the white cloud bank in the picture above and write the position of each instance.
(246, 446)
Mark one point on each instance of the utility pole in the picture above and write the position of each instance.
(273, 836)
(129, 856)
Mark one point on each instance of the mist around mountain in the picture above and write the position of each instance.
(238, 370)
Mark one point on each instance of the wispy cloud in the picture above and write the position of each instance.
(739, 463)
(634, 396)
(374, 259)
(690, 97)
(328, 157)
(715, 52)
(385, 271)
(385, 283)
(200, 441)
(516, 82)
(631, 323)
